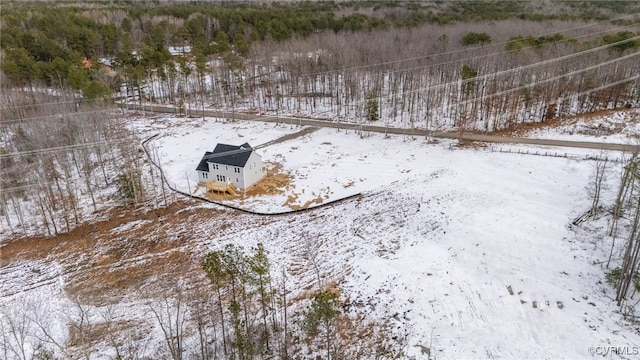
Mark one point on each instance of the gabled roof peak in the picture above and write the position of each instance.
(224, 154)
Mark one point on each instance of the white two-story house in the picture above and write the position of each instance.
(230, 164)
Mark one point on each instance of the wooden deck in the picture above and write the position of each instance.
(220, 187)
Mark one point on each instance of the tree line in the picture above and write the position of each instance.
(465, 83)
(622, 265)
(45, 45)
(57, 169)
(255, 319)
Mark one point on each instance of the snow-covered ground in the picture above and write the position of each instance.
(479, 261)
(467, 250)
(328, 163)
(622, 127)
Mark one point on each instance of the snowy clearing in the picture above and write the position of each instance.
(470, 250)
(622, 127)
(467, 251)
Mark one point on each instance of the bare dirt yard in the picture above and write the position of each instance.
(274, 182)
(133, 248)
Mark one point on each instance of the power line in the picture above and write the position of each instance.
(59, 116)
(40, 184)
(461, 50)
(36, 185)
(508, 71)
(504, 72)
(76, 101)
(549, 61)
(402, 60)
(434, 87)
(391, 62)
(64, 148)
(352, 68)
(601, 87)
(628, 79)
(476, 58)
(497, 73)
(19, 188)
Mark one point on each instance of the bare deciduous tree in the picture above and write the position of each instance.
(171, 313)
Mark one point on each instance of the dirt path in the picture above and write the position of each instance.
(287, 137)
(467, 136)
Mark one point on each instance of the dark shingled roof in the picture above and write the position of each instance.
(226, 155)
(202, 166)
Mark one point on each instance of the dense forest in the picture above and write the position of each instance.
(45, 44)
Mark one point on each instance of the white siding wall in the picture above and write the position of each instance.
(226, 174)
(247, 176)
(204, 176)
(253, 170)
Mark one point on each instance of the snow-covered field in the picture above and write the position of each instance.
(470, 249)
(622, 127)
(329, 163)
(466, 250)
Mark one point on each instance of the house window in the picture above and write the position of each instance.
(224, 178)
(214, 166)
(226, 168)
(237, 180)
(205, 175)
